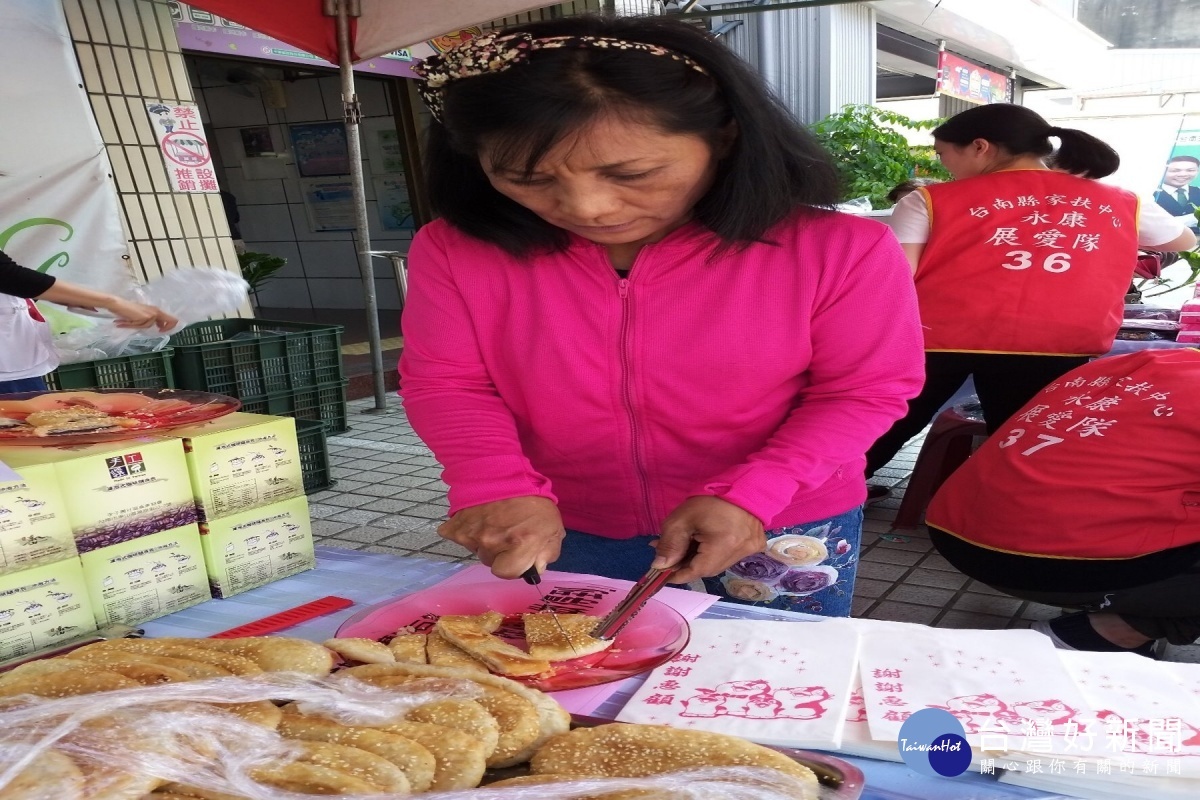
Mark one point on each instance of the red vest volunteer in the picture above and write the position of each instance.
(1102, 464)
(1047, 256)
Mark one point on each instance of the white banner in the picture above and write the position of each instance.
(58, 207)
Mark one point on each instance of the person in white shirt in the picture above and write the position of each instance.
(28, 353)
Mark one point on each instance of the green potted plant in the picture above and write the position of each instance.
(1158, 286)
(873, 154)
(257, 269)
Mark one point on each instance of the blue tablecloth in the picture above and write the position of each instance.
(372, 578)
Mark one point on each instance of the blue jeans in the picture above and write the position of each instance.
(23, 385)
(809, 568)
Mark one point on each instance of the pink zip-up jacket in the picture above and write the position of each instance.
(760, 377)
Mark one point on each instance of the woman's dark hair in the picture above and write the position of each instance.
(772, 167)
(1021, 131)
(910, 185)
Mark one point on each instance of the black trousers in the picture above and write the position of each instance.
(1004, 384)
(1157, 594)
(1166, 609)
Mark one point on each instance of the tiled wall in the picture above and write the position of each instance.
(128, 54)
(322, 267)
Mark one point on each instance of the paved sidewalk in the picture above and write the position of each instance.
(389, 499)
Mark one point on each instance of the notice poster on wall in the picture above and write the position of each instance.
(329, 205)
(184, 146)
(320, 149)
(387, 155)
(395, 210)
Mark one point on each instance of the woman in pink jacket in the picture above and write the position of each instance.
(636, 318)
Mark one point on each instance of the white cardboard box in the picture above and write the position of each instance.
(34, 528)
(146, 578)
(241, 462)
(258, 546)
(42, 606)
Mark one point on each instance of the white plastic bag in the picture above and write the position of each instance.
(859, 205)
(168, 732)
(190, 294)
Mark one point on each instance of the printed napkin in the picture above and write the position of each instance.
(856, 735)
(781, 683)
(992, 681)
(1138, 716)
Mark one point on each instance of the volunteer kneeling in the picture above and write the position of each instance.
(1089, 497)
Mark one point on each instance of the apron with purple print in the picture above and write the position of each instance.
(809, 568)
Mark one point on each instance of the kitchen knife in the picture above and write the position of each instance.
(534, 579)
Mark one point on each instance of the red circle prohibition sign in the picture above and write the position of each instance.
(181, 147)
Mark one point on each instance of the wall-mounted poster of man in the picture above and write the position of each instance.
(1177, 192)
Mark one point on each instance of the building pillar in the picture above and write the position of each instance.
(128, 55)
(816, 59)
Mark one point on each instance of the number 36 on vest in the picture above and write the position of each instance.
(1023, 259)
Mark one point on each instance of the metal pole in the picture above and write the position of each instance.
(362, 241)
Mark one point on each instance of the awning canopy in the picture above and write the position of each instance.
(381, 27)
(346, 31)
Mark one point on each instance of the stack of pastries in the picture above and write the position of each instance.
(460, 726)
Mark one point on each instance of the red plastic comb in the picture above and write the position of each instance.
(286, 619)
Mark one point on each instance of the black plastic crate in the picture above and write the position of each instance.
(314, 456)
(325, 403)
(142, 371)
(251, 358)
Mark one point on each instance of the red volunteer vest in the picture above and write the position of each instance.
(1026, 261)
(1104, 463)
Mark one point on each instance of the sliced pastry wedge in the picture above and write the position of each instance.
(546, 639)
(468, 634)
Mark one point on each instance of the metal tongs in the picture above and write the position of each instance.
(637, 598)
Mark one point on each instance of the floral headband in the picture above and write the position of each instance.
(496, 52)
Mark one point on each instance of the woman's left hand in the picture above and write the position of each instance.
(723, 533)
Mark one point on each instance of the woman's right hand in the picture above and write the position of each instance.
(139, 315)
(510, 535)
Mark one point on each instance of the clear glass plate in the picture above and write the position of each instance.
(653, 637)
(144, 410)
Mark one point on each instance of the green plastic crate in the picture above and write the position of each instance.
(142, 371)
(314, 456)
(325, 403)
(252, 358)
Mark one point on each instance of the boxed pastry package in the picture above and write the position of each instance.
(258, 546)
(242, 461)
(146, 578)
(33, 521)
(116, 491)
(42, 606)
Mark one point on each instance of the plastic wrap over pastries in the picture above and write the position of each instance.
(180, 719)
